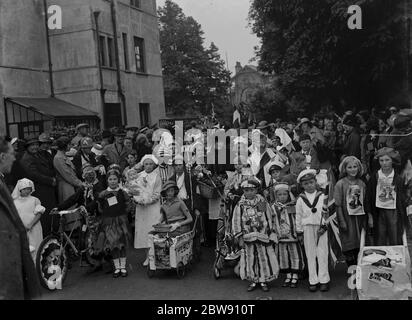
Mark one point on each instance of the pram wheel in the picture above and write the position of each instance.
(216, 273)
(150, 272)
(181, 270)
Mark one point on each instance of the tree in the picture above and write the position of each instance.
(320, 61)
(195, 78)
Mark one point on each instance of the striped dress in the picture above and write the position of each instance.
(290, 252)
(252, 220)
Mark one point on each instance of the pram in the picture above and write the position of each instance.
(383, 272)
(171, 253)
(226, 254)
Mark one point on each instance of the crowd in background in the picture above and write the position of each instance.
(355, 152)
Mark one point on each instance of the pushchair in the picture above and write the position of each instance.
(227, 255)
(383, 272)
(171, 253)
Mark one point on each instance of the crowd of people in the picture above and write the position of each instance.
(276, 194)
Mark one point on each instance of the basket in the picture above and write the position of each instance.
(208, 191)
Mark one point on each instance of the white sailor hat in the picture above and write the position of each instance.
(306, 174)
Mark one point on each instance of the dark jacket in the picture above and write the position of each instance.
(370, 202)
(77, 162)
(40, 170)
(352, 144)
(18, 277)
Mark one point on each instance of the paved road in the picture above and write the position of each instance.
(199, 284)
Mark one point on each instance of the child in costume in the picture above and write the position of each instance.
(30, 211)
(290, 252)
(114, 236)
(252, 227)
(309, 226)
(386, 200)
(349, 198)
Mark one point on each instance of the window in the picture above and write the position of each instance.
(103, 50)
(135, 3)
(112, 115)
(111, 52)
(126, 52)
(139, 54)
(144, 114)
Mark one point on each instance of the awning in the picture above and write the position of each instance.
(53, 107)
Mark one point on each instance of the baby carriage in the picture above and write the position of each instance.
(170, 253)
(383, 273)
(227, 255)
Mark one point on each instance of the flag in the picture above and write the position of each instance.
(236, 118)
(335, 245)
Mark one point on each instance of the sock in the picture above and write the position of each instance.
(289, 276)
(122, 263)
(295, 276)
(116, 263)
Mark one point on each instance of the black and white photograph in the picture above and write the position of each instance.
(212, 151)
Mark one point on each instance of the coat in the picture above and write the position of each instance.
(40, 170)
(352, 144)
(115, 157)
(77, 162)
(18, 277)
(67, 181)
(370, 203)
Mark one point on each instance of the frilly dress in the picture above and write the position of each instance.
(147, 206)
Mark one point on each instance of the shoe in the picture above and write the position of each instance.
(123, 273)
(116, 273)
(264, 287)
(324, 287)
(252, 287)
(294, 283)
(286, 283)
(313, 288)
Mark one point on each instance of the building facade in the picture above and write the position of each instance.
(246, 81)
(119, 79)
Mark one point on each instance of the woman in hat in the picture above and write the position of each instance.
(252, 228)
(385, 200)
(67, 180)
(306, 127)
(147, 202)
(352, 143)
(174, 212)
(143, 146)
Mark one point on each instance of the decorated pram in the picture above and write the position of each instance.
(170, 253)
(383, 273)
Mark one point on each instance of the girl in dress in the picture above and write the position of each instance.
(114, 236)
(174, 211)
(349, 196)
(252, 227)
(284, 224)
(147, 202)
(30, 211)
